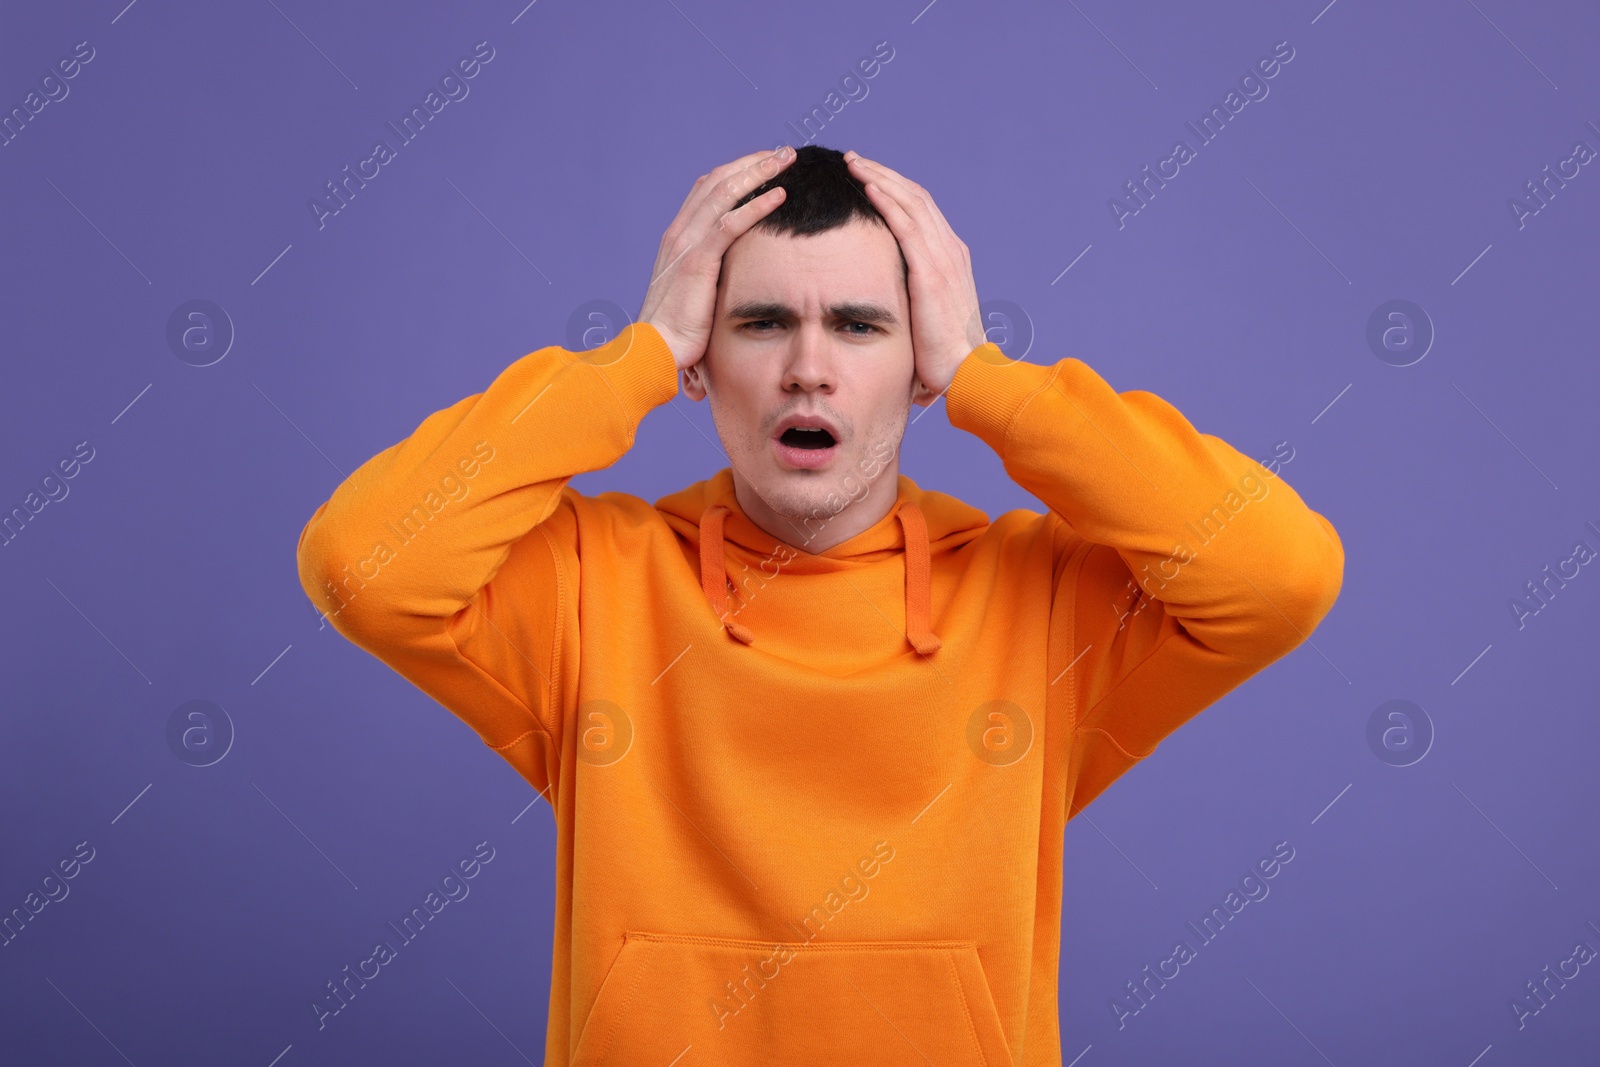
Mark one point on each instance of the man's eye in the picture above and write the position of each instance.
(756, 325)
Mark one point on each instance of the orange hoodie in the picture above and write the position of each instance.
(810, 808)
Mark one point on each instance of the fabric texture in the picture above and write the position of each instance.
(810, 806)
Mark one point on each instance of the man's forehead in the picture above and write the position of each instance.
(852, 271)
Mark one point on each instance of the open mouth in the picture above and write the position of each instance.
(806, 437)
(805, 447)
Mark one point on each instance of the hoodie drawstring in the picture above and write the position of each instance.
(919, 593)
(919, 585)
(714, 572)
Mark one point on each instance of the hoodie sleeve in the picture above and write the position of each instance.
(452, 556)
(1189, 565)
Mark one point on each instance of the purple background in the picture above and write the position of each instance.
(222, 898)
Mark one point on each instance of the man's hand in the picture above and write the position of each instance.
(682, 297)
(945, 324)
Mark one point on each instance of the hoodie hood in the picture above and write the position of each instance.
(921, 524)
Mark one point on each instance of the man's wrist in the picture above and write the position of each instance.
(639, 366)
(989, 388)
(677, 345)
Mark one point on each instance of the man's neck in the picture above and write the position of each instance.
(817, 533)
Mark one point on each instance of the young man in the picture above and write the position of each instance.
(810, 732)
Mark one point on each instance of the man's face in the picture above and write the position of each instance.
(816, 325)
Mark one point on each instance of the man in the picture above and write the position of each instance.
(812, 733)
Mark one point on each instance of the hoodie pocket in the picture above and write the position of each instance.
(686, 1000)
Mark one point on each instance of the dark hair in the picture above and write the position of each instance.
(820, 194)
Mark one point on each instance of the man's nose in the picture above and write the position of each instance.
(810, 366)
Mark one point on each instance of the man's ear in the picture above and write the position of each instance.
(921, 395)
(694, 382)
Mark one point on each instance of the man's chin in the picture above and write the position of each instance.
(805, 495)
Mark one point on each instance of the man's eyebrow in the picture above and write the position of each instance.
(849, 311)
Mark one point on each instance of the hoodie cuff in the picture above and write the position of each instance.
(638, 366)
(989, 390)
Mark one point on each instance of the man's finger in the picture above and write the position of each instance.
(912, 238)
(725, 185)
(705, 245)
(735, 223)
(926, 232)
(734, 165)
(689, 212)
(911, 193)
(919, 241)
